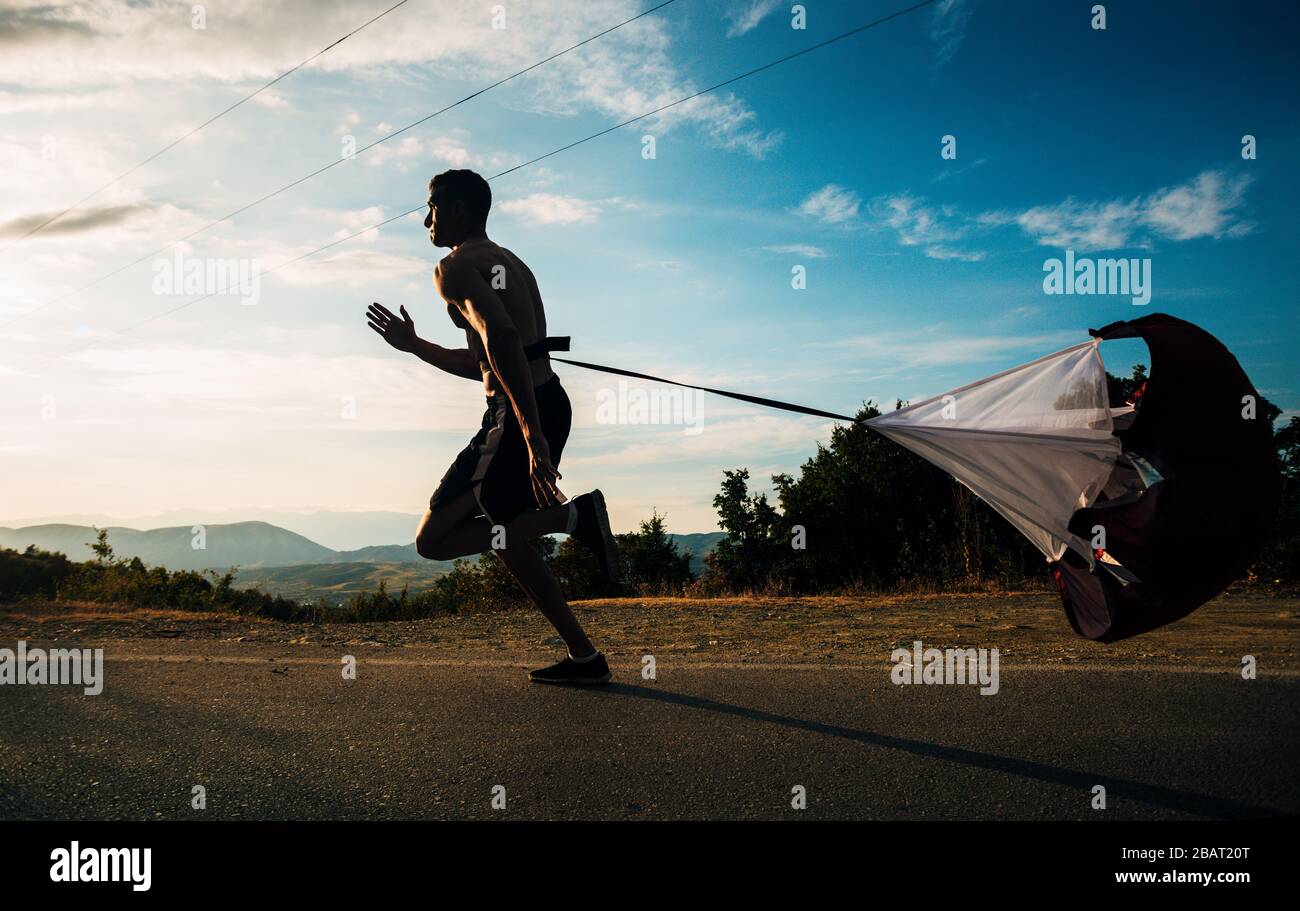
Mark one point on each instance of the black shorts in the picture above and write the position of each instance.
(494, 466)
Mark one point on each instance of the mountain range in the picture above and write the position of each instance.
(243, 544)
(274, 559)
(341, 530)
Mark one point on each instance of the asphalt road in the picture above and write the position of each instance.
(271, 736)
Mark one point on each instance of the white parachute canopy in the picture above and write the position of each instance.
(1034, 442)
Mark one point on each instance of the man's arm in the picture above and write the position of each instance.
(466, 289)
(456, 361)
(400, 333)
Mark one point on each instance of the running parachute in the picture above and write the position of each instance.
(1144, 511)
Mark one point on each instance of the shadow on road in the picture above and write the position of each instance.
(1170, 798)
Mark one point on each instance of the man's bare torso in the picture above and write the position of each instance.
(514, 283)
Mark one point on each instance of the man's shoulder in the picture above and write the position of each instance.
(452, 269)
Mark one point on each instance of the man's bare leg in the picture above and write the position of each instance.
(455, 532)
(531, 571)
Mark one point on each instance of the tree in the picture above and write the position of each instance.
(1281, 558)
(868, 512)
(103, 550)
(745, 558)
(1121, 389)
(651, 561)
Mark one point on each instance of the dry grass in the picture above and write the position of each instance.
(1024, 626)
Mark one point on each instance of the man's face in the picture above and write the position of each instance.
(443, 221)
(431, 220)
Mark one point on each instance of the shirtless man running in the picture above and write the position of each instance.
(506, 478)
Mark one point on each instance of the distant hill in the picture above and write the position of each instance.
(698, 545)
(380, 553)
(244, 544)
(336, 582)
(274, 559)
(336, 529)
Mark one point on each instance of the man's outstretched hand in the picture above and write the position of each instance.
(398, 332)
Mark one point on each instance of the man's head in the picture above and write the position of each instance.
(458, 207)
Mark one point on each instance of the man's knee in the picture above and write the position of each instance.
(429, 539)
(426, 545)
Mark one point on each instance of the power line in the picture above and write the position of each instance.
(723, 84)
(517, 167)
(171, 145)
(322, 170)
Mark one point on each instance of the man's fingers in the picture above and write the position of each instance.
(379, 315)
(553, 492)
(382, 309)
(406, 316)
(545, 492)
(539, 493)
(543, 476)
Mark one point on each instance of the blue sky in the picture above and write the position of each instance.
(921, 273)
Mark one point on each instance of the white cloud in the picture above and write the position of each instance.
(50, 102)
(1022, 312)
(1203, 208)
(634, 74)
(806, 250)
(353, 268)
(67, 43)
(745, 17)
(551, 209)
(627, 72)
(1206, 206)
(446, 150)
(270, 99)
(1070, 223)
(920, 225)
(939, 251)
(832, 205)
(948, 28)
(356, 220)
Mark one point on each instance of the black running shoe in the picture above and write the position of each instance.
(587, 673)
(593, 533)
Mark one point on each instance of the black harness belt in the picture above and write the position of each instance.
(539, 349)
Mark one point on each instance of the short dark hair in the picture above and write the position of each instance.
(466, 186)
